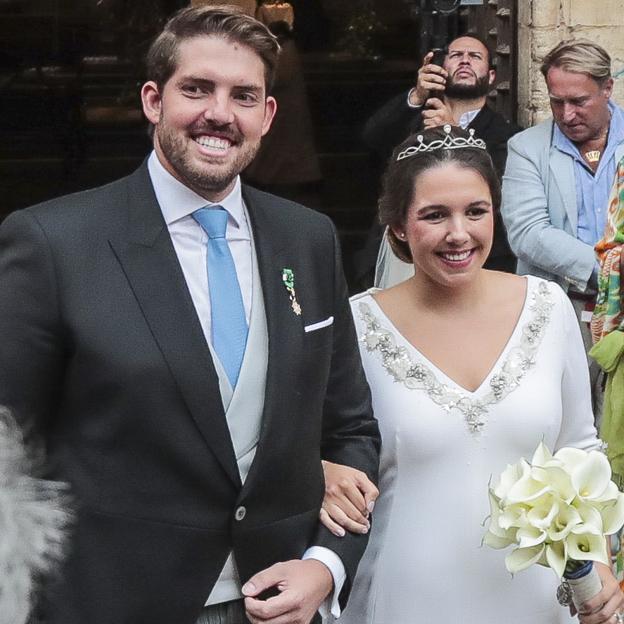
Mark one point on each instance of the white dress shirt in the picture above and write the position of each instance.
(177, 203)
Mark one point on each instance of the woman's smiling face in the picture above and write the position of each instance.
(449, 224)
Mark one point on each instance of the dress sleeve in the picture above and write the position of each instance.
(577, 425)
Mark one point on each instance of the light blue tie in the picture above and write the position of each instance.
(229, 325)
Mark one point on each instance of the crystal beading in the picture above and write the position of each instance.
(448, 142)
(417, 376)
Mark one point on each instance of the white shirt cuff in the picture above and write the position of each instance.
(409, 95)
(337, 569)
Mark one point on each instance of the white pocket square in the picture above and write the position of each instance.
(319, 325)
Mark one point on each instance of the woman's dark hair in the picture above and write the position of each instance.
(399, 180)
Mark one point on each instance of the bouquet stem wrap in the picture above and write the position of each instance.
(584, 582)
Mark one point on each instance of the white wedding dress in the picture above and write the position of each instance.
(425, 563)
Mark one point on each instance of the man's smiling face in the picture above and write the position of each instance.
(210, 115)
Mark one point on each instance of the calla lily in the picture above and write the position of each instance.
(513, 516)
(613, 515)
(555, 509)
(610, 494)
(563, 523)
(570, 457)
(526, 489)
(587, 547)
(556, 557)
(558, 478)
(544, 511)
(494, 541)
(530, 536)
(591, 520)
(522, 558)
(542, 455)
(509, 477)
(591, 477)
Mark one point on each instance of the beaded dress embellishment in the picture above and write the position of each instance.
(417, 376)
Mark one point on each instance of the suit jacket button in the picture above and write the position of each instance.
(240, 513)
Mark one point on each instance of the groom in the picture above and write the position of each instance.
(184, 343)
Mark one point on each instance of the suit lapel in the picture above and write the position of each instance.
(284, 327)
(562, 174)
(151, 266)
(481, 121)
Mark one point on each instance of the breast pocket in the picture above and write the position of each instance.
(319, 333)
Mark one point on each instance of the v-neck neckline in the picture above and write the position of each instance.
(498, 363)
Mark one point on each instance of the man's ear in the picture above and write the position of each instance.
(152, 101)
(492, 75)
(270, 108)
(608, 87)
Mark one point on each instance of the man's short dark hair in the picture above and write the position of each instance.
(227, 22)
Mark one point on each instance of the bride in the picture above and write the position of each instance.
(469, 370)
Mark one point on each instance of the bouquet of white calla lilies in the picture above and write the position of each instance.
(556, 510)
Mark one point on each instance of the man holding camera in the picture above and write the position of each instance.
(451, 88)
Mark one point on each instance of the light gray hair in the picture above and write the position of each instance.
(580, 56)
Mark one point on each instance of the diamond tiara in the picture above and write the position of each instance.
(448, 142)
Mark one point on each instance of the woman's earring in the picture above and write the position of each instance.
(402, 235)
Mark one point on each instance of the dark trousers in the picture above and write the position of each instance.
(232, 612)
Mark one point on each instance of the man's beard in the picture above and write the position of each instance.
(203, 178)
(464, 91)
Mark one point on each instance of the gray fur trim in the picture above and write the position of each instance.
(33, 522)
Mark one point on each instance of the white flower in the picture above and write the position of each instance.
(542, 455)
(587, 547)
(556, 557)
(510, 477)
(528, 488)
(591, 478)
(543, 511)
(613, 515)
(522, 558)
(555, 508)
(530, 536)
(563, 523)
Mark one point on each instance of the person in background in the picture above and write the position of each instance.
(271, 11)
(558, 177)
(287, 163)
(607, 326)
(453, 92)
(184, 345)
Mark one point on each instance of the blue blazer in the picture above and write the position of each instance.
(540, 212)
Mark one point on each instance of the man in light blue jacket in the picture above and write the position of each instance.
(559, 174)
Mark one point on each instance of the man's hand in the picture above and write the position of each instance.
(431, 79)
(436, 114)
(302, 586)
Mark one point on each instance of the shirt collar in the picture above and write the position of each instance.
(177, 201)
(466, 118)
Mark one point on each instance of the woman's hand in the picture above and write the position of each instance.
(349, 498)
(601, 609)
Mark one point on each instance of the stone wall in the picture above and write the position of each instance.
(544, 23)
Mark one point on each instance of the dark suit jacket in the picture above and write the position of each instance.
(103, 350)
(393, 123)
